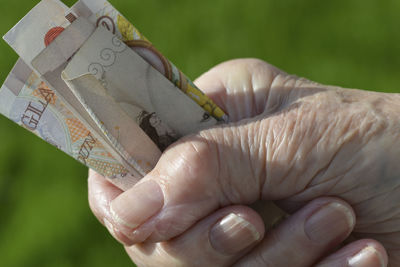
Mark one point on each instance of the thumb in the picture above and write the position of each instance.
(237, 163)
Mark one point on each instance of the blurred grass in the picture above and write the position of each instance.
(44, 215)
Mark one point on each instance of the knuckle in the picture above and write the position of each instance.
(190, 162)
(196, 157)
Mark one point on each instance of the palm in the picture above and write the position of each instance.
(333, 142)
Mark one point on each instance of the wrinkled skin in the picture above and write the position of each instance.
(308, 140)
(293, 141)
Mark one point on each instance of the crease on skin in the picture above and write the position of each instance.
(316, 190)
(280, 137)
(308, 149)
(251, 147)
(335, 180)
(290, 134)
(303, 151)
(257, 168)
(273, 148)
(310, 192)
(322, 171)
(265, 139)
(240, 133)
(168, 225)
(348, 190)
(298, 136)
(227, 191)
(219, 174)
(272, 105)
(268, 94)
(292, 85)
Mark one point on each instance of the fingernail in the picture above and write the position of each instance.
(368, 256)
(232, 234)
(138, 204)
(329, 222)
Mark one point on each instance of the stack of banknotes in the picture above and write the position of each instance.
(89, 83)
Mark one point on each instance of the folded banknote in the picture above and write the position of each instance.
(89, 83)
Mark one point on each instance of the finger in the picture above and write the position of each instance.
(304, 237)
(218, 240)
(241, 87)
(360, 253)
(221, 238)
(101, 193)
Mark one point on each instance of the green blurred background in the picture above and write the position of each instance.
(44, 216)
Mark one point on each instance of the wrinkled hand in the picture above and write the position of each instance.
(293, 141)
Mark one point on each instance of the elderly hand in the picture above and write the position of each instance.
(293, 141)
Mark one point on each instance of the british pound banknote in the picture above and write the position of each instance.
(89, 83)
(28, 101)
(111, 79)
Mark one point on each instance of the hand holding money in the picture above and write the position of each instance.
(193, 200)
(89, 83)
